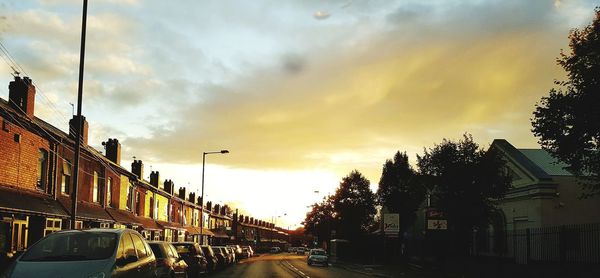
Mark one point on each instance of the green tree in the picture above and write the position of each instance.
(354, 206)
(400, 190)
(319, 221)
(466, 180)
(567, 121)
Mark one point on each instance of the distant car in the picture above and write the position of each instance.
(168, 263)
(245, 253)
(193, 256)
(300, 251)
(275, 249)
(317, 256)
(234, 257)
(238, 251)
(87, 253)
(292, 249)
(211, 258)
(223, 256)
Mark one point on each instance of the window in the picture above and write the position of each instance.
(65, 187)
(137, 203)
(138, 242)
(168, 235)
(42, 169)
(5, 125)
(105, 225)
(52, 225)
(72, 246)
(78, 225)
(129, 197)
(95, 188)
(128, 247)
(109, 188)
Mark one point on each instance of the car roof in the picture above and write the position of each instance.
(94, 230)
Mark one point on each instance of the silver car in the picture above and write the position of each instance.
(317, 256)
(94, 253)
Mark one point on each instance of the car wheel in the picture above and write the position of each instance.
(309, 263)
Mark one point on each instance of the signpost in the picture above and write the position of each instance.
(436, 220)
(391, 224)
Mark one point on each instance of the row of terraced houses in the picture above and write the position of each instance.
(36, 178)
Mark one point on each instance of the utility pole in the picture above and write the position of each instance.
(79, 118)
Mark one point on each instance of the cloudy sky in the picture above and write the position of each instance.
(300, 92)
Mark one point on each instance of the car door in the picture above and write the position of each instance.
(126, 259)
(146, 262)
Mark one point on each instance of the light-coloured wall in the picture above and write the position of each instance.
(163, 204)
(569, 208)
(124, 187)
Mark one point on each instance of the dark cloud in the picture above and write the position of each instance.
(293, 63)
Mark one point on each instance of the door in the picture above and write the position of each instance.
(19, 234)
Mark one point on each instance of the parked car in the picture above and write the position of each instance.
(300, 251)
(232, 253)
(275, 249)
(194, 257)
(238, 251)
(317, 256)
(87, 253)
(250, 250)
(211, 258)
(223, 258)
(168, 263)
(245, 253)
(292, 249)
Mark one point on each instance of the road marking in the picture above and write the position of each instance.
(298, 271)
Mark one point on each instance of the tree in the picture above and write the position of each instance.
(319, 221)
(400, 190)
(354, 206)
(567, 121)
(466, 182)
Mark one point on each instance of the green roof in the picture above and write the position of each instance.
(544, 160)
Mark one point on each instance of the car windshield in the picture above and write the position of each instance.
(318, 252)
(76, 246)
(184, 249)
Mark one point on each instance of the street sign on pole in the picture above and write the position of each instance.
(437, 224)
(391, 224)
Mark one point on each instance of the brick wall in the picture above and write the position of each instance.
(19, 160)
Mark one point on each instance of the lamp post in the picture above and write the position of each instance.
(202, 193)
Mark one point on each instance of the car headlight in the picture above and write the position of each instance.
(97, 275)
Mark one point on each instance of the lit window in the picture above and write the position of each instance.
(65, 187)
(95, 188)
(52, 225)
(109, 192)
(42, 169)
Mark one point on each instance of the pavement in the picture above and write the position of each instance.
(385, 271)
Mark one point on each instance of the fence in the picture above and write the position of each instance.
(568, 244)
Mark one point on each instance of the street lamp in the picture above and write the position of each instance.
(202, 193)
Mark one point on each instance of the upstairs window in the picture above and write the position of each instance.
(109, 188)
(42, 169)
(65, 187)
(95, 187)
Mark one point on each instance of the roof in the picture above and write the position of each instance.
(148, 223)
(19, 199)
(521, 159)
(123, 217)
(86, 209)
(546, 162)
(169, 225)
(219, 234)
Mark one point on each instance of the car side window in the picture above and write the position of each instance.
(128, 247)
(173, 251)
(120, 255)
(139, 246)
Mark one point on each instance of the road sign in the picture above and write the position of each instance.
(437, 224)
(391, 223)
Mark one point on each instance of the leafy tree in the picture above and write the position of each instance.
(400, 190)
(466, 181)
(354, 206)
(567, 121)
(320, 220)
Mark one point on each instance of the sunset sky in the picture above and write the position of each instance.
(300, 92)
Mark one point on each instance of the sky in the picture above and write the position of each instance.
(300, 92)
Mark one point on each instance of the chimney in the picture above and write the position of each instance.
(113, 150)
(199, 200)
(154, 178)
(137, 167)
(84, 128)
(217, 209)
(169, 186)
(192, 197)
(246, 219)
(209, 206)
(21, 95)
(182, 193)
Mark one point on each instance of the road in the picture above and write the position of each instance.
(283, 265)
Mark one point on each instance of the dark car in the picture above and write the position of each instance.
(168, 263)
(87, 253)
(210, 257)
(223, 258)
(237, 250)
(193, 256)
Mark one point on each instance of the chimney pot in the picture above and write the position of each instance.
(113, 150)
(137, 167)
(154, 178)
(21, 95)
